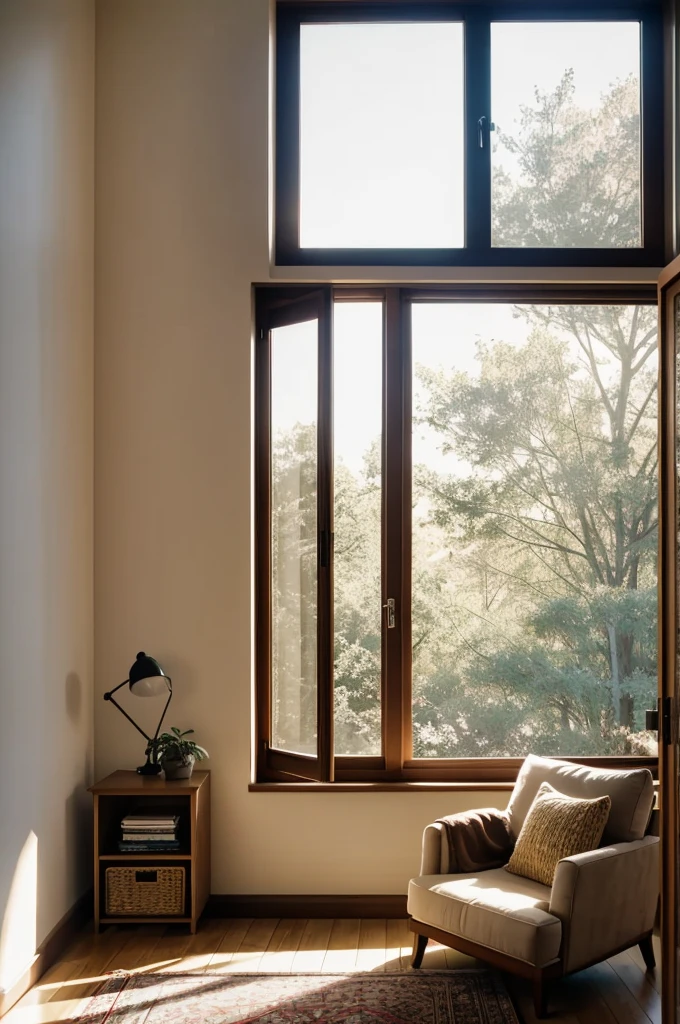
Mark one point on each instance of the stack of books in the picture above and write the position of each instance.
(149, 833)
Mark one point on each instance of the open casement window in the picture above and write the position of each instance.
(456, 538)
(507, 134)
(294, 532)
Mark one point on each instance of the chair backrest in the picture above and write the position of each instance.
(631, 792)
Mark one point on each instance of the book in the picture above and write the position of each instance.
(160, 837)
(148, 847)
(147, 820)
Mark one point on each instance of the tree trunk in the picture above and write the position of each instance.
(616, 681)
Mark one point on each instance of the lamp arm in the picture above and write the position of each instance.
(107, 696)
(167, 704)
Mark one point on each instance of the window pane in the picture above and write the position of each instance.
(294, 536)
(534, 529)
(377, 168)
(357, 440)
(565, 99)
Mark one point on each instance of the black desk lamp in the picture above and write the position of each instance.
(147, 679)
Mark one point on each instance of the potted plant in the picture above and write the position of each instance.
(176, 754)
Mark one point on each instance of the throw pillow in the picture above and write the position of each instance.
(556, 826)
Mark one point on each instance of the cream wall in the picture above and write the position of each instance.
(182, 232)
(46, 450)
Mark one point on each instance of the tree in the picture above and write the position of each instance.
(570, 177)
(558, 511)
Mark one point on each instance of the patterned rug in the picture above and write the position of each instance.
(422, 997)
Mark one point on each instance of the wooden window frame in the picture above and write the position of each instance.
(478, 250)
(396, 765)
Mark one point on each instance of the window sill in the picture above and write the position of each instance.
(380, 787)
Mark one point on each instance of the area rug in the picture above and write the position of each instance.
(423, 997)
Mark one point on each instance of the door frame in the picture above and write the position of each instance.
(669, 290)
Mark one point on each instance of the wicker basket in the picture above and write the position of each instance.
(133, 892)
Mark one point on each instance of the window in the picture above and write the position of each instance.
(456, 498)
(456, 134)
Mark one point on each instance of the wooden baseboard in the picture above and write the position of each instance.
(306, 906)
(49, 949)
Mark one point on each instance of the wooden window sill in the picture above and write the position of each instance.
(379, 787)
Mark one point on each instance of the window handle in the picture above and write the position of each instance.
(482, 128)
(390, 607)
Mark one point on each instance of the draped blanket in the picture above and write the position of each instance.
(478, 840)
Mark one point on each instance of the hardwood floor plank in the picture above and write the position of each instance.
(169, 949)
(617, 995)
(398, 945)
(558, 1005)
(653, 977)
(372, 942)
(139, 944)
(638, 984)
(585, 1001)
(255, 941)
(234, 935)
(313, 945)
(204, 944)
(343, 944)
(283, 945)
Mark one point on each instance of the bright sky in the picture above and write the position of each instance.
(381, 156)
(444, 334)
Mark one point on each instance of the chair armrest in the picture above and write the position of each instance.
(434, 842)
(606, 899)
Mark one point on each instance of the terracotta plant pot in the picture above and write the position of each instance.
(179, 769)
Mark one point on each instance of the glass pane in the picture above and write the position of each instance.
(294, 536)
(358, 329)
(376, 167)
(565, 100)
(534, 529)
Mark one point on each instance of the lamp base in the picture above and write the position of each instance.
(149, 769)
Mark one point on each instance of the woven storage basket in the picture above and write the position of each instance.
(155, 891)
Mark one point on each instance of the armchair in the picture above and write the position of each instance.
(599, 904)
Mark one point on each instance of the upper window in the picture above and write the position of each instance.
(469, 135)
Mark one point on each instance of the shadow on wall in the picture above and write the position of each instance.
(19, 921)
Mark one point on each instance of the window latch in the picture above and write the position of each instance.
(390, 608)
(484, 125)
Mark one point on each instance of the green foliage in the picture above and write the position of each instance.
(573, 176)
(173, 746)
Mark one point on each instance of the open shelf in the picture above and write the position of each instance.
(144, 856)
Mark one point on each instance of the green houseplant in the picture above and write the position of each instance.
(177, 754)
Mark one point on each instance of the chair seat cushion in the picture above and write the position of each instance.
(504, 912)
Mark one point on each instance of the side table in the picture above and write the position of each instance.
(126, 792)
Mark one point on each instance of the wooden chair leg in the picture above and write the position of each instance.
(647, 950)
(540, 1008)
(419, 945)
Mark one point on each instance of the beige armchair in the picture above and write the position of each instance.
(599, 904)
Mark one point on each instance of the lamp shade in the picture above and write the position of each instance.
(147, 678)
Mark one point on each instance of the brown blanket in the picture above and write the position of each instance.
(478, 840)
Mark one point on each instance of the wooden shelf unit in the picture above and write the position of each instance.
(126, 792)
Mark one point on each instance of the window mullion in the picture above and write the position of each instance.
(396, 540)
(478, 156)
(325, 637)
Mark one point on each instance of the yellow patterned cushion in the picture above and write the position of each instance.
(556, 826)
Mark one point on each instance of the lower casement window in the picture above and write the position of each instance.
(456, 530)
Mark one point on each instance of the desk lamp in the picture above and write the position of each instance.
(146, 679)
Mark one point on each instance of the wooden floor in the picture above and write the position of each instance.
(615, 991)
